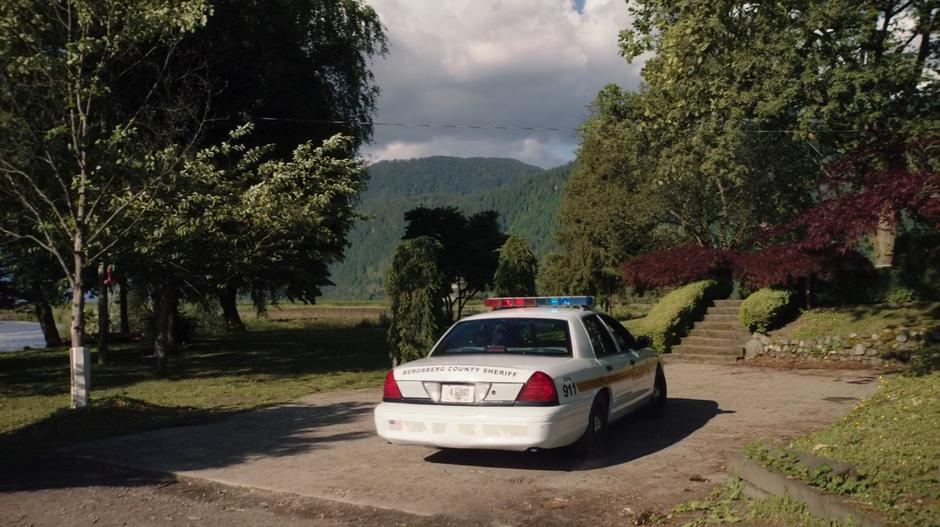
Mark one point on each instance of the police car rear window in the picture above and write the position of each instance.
(515, 336)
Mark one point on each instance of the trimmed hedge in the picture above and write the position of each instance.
(676, 312)
(764, 309)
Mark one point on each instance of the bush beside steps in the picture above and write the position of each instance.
(764, 309)
(672, 316)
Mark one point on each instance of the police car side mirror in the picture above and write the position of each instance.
(644, 342)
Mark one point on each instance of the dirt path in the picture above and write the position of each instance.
(321, 451)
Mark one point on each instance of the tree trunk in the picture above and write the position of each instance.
(174, 338)
(104, 317)
(47, 323)
(885, 235)
(809, 292)
(80, 365)
(228, 298)
(165, 342)
(122, 292)
(77, 330)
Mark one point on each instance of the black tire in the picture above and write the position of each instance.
(594, 440)
(656, 407)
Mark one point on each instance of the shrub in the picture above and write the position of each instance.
(924, 361)
(676, 312)
(894, 286)
(621, 312)
(764, 309)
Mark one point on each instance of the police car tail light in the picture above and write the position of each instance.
(538, 390)
(392, 393)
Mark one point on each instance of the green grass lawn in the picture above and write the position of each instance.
(816, 324)
(727, 505)
(277, 360)
(892, 439)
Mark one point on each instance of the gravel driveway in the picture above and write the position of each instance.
(324, 447)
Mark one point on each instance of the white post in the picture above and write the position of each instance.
(81, 376)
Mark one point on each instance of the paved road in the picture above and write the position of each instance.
(14, 335)
(324, 447)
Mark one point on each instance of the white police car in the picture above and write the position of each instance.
(536, 372)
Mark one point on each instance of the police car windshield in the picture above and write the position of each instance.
(517, 336)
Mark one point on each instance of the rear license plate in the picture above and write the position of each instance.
(456, 393)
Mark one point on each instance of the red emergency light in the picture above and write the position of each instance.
(515, 301)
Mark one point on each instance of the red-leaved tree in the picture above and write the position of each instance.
(677, 265)
(863, 193)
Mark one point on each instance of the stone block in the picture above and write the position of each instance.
(753, 348)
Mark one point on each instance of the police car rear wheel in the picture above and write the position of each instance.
(594, 440)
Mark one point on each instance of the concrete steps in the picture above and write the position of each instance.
(717, 339)
(672, 358)
(722, 333)
(713, 348)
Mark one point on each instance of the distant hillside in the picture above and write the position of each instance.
(526, 197)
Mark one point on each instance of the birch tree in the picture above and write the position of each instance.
(88, 105)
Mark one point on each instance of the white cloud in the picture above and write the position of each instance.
(546, 152)
(494, 62)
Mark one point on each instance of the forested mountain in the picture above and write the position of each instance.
(525, 196)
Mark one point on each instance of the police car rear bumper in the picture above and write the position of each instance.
(497, 428)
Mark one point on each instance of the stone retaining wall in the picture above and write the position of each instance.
(887, 345)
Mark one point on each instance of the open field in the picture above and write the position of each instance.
(281, 358)
(306, 315)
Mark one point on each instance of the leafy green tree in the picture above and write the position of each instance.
(751, 99)
(710, 97)
(612, 207)
(282, 63)
(516, 270)
(300, 75)
(470, 251)
(237, 207)
(554, 276)
(413, 286)
(89, 114)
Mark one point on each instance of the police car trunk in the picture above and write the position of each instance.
(492, 381)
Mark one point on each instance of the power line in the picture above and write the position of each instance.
(426, 125)
(535, 128)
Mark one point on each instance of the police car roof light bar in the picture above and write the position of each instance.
(539, 301)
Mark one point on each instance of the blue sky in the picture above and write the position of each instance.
(532, 63)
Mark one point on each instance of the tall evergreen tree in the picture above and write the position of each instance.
(516, 270)
(413, 287)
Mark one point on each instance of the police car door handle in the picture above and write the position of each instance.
(610, 368)
(632, 362)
